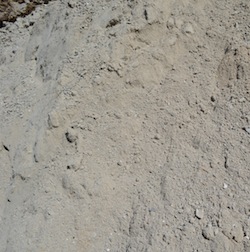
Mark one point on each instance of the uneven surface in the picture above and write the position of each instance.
(11, 9)
(125, 126)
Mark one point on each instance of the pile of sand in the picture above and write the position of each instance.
(125, 126)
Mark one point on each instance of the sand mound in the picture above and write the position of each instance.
(125, 126)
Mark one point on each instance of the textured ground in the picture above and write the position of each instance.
(125, 126)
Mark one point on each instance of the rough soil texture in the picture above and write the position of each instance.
(125, 126)
(11, 9)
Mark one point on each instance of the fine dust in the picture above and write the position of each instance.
(125, 126)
